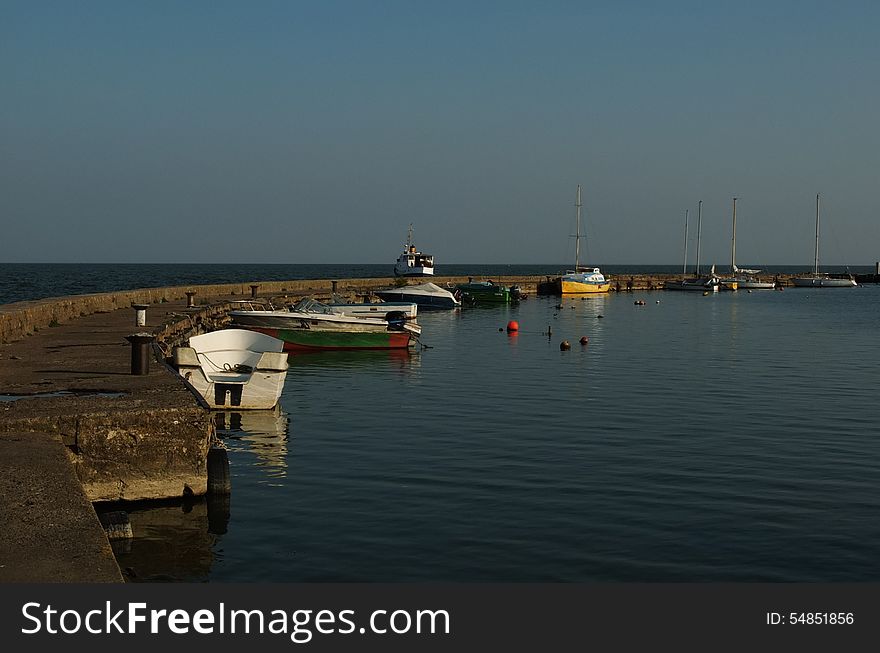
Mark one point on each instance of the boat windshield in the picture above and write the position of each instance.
(309, 305)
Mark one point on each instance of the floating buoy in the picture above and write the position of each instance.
(501, 329)
(564, 345)
(750, 292)
(584, 340)
(658, 301)
(599, 317)
(639, 302)
(513, 325)
(705, 293)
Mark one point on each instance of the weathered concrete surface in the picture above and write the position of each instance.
(49, 531)
(150, 441)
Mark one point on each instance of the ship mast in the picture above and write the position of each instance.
(816, 263)
(577, 237)
(733, 242)
(684, 267)
(699, 230)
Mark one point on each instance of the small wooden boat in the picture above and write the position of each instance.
(233, 368)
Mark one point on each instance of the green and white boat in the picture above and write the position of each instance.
(312, 326)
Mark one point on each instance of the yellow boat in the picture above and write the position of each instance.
(581, 280)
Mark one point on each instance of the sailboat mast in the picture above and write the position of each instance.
(684, 267)
(577, 236)
(733, 241)
(699, 230)
(816, 263)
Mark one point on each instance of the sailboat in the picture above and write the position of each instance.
(703, 283)
(743, 277)
(817, 280)
(582, 279)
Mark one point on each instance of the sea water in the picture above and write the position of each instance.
(728, 437)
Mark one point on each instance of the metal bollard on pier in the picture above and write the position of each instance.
(254, 287)
(140, 316)
(140, 352)
(190, 303)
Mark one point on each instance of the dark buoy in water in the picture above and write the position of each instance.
(512, 326)
(218, 471)
(599, 317)
(564, 345)
(584, 340)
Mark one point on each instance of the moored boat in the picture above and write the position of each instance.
(823, 279)
(426, 295)
(412, 262)
(310, 325)
(583, 279)
(488, 292)
(233, 368)
(745, 279)
(698, 282)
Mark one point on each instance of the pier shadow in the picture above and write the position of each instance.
(172, 541)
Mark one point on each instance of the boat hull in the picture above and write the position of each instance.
(426, 296)
(684, 285)
(325, 340)
(822, 282)
(569, 287)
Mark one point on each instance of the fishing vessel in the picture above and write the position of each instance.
(313, 326)
(702, 283)
(582, 279)
(744, 278)
(233, 368)
(412, 262)
(817, 279)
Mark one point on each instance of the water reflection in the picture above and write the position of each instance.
(263, 432)
(403, 360)
(171, 541)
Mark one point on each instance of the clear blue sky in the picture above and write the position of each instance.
(306, 132)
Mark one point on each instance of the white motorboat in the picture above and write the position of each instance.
(413, 263)
(821, 280)
(372, 309)
(426, 295)
(234, 368)
(311, 325)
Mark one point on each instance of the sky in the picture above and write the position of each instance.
(316, 132)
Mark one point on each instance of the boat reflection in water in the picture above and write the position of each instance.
(262, 432)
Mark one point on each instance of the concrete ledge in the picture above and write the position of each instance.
(49, 531)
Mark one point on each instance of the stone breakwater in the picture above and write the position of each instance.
(26, 318)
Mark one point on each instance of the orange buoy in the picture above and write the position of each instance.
(584, 340)
(513, 325)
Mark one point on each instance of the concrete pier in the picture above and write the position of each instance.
(48, 529)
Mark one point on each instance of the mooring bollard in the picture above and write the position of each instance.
(190, 303)
(333, 284)
(140, 352)
(254, 287)
(140, 315)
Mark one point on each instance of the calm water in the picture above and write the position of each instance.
(722, 438)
